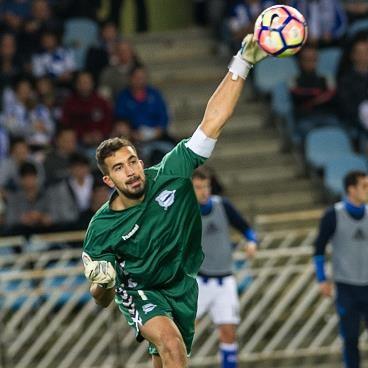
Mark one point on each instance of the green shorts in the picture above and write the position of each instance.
(140, 306)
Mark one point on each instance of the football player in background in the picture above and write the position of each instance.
(143, 246)
(218, 293)
(346, 225)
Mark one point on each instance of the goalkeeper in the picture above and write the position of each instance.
(143, 247)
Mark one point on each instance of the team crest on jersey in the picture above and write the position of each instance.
(148, 307)
(166, 198)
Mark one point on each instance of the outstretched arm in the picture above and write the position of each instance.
(222, 103)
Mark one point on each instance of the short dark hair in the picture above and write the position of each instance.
(352, 178)
(63, 129)
(202, 173)
(78, 159)
(107, 148)
(27, 168)
(15, 141)
(135, 68)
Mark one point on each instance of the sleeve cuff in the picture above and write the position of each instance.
(250, 235)
(319, 264)
(200, 144)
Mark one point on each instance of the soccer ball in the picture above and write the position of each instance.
(281, 30)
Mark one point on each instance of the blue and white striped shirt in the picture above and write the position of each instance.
(53, 64)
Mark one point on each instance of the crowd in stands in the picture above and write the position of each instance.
(324, 96)
(325, 85)
(56, 106)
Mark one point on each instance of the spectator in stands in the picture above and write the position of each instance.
(146, 110)
(54, 60)
(345, 224)
(81, 180)
(100, 195)
(27, 209)
(12, 14)
(356, 9)
(24, 116)
(313, 95)
(72, 196)
(89, 114)
(101, 55)
(115, 77)
(241, 20)
(4, 144)
(40, 19)
(326, 20)
(352, 88)
(122, 128)
(9, 167)
(56, 163)
(10, 62)
(217, 286)
(50, 96)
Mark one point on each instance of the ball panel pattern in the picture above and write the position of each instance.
(281, 30)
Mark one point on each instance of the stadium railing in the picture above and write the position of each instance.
(48, 320)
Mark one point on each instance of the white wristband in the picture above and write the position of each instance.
(239, 67)
(200, 144)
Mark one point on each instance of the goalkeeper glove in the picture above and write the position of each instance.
(250, 51)
(99, 272)
(248, 55)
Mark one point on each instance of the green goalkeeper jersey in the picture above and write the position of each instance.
(157, 243)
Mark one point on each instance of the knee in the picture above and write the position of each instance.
(173, 348)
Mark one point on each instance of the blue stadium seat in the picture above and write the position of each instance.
(65, 283)
(356, 27)
(282, 106)
(6, 251)
(337, 168)
(328, 61)
(15, 292)
(324, 144)
(79, 35)
(270, 71)
(281, 102)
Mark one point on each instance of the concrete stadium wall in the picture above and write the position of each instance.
(162, 14)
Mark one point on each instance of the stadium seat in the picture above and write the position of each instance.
(271, 71)
(360, 25)
(281, 106)
(337, 168)
(328, 61)
(15, 292)
(67, 284)
(281, 102)
(324, 144)
(79, 35)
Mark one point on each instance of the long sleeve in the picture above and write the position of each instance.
(238, 221)
(326, 230)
